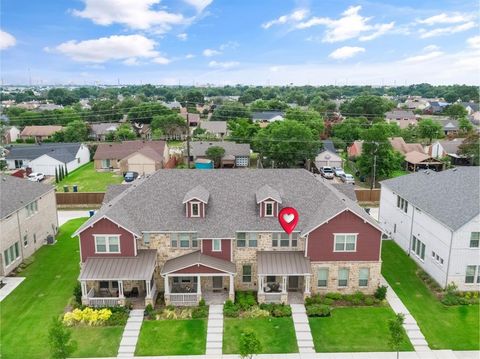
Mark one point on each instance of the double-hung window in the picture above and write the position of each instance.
(322, 279)
(32, 208)
(474, 239)
(345, 242)
(183, 240)
(363, 275)
(282, 239)
(252, 239)
(241, 239)
(11, 253)
(418, 247)
(343, 277)
(247, 239)
(216, 245)
(269, 209)
(107, 244)
(195, 209)
(402, 204)
(246, 273)
(25, 240)
(106, 163)
(472, 274)
(146, 239)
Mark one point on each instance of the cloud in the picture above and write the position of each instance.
(6, 40)
(116, 47)
(295, 16)
(430, 48)
(161, 60)
(229, 45)
(449, 30)
(350, 25)
(445, 18)
(200, 5)
(211, 52)
(430, 52)
(132, 61)
(346, 52)
(189, 56)
(182, 36)
(223, 65)
(136, 14)
(474, 42)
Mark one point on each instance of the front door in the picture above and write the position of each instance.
(292, 283)
(217, 282)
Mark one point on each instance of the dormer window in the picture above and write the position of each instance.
(269, 201)
(195, 202)
(269, 208)
(195, 209)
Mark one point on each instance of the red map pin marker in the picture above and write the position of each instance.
(288, 218)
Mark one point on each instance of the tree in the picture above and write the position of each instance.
(286, 143)
(410, 133)
(75, 131)
(310, 118)
(249, 344)
(367, 105)
(465, 125)
(230, 111)
(215, 153)
(350, 129)
(242, 130)
(56, 175)
(456, 111)
(145, 112)
(60, 340)
(62, 96)
(396, 332)
(192, 98)
(430, 129)
(170, 124)
(124, 132)
(470, 147)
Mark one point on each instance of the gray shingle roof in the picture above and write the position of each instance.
(282, 263)
(155, 202)
(195, 258)
(103, 128)
(451, 197)
(217, 127)
(266, 115)
(198, 192)
(266, 192)
(63, 152)
(198, 148)
(16, 193)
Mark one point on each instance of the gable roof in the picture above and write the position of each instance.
(328, 146)
(399, 144)
(448, 124)
(232, 202)
(415, 157)
(266, 192)
(451, 146)
(43, 131)
(198, 192)
(267, 115)
(214, 126)
(197, 258)
(451, 196)
(199, 148)
(118, 151)
(103, 128)
(63, 152)
(401, 114)
(16, 193)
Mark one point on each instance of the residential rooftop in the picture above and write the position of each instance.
(63, 152)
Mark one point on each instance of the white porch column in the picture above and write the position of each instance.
(199, 285)
(120, 289)
(284, 284)
(148, 285)
(307, 284)
(167, 287)
(260, 284)
(231, 289)
(83, 284)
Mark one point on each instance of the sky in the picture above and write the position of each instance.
(228, 42)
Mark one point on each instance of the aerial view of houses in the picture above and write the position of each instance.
(238, 179)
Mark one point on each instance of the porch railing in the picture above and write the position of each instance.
(273, 297)
(101, 301)
(183, 298)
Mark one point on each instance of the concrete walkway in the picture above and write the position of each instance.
(413, 331)
(302, 329)
(130, 334)
(10, 284)
(215, 330)
(66, 215)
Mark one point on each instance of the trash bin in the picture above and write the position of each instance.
(91, 212)
(75, 188)
(65, 188)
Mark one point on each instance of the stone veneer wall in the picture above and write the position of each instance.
(354, 269)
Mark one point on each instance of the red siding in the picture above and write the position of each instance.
(197, 269)
(321, 240)
(202, 209)
(263, 207)
(105, 226)
(225, 253)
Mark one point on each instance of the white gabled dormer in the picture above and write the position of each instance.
(195, 202)
(269, 201)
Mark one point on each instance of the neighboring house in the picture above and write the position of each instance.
(402, 118)
(194, 234)
(144, 157)
(471, 107)
(217, 128)
(449, 126)
(450, 148)
(414, 103)
(47, 157)
(328, 156)
(355, 149)
(193, 119)
(144, 131)
(39, 133)
(434, 217)
(268, 116)
(236, 154)
(415, 161)
(10, 134)
(435, 107)
(398, 144)
(99, 131)
(49, 107)
(28, 212)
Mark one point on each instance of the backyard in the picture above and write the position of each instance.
(276, 335)
(89, 180)
(444, 327)
(172, 337)
(27, 312)
(359, 329)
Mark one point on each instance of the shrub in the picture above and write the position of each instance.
(249, 344)
(61, 344)
(256, 312)
(450, 299)
(88, 316)
(347, 297)
(29, 140)
(281, 310)
(149, 311)
(369, 301)
(119, 316)
(77, 293)
(318, 310)
(202, 303)
(245, 300)
(231, 310)
(20, 140)
(328, 301)
(381, 292)
(334, 296)
(314, 299)
(200, 312)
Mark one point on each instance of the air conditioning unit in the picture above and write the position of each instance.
(50, 239)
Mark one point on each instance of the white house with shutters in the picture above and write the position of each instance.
(435, 218)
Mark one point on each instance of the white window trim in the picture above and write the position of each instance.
(191, 209)
(415, 252)
(318, 277)
(338, 278)
(344, 234)
(107, 244)
(359, 279)
(213, 245)
(475, 275)
(265, 214)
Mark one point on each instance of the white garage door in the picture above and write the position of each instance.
(143, 169)
(241, 161)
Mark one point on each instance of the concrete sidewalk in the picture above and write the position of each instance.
(302, 329)
(215, 330)
(10, 284)
(66, 215)
(130, 334)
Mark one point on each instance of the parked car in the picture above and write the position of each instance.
(36, 177)
(130, 176)
(326, 172)
(338, 171)
(347, 178)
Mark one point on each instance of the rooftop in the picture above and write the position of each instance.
(121, 150)
(199, 148)
(63, 152)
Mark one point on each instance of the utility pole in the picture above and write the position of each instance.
(372, 186)
(188, 144)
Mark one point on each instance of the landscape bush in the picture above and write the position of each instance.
(245, 300)
(277, 310)
(87, 316)
(318, 310)
(231, 310)
(381, 292)
(256, 312)
(201, 311)
(119, 316)
(150, 312)
(334, 295)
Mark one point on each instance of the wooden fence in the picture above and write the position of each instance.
(79, 198)
(368, 195)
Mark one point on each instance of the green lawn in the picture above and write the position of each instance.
(399, 173)
(444, 327)
(360, 329)
(89, 180)
(175, 144)
(172, 337)
(27, 312)
(276, 335)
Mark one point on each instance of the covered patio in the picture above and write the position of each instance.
(420, 161)
(194, 276)
(283, 277)
(112, 281)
